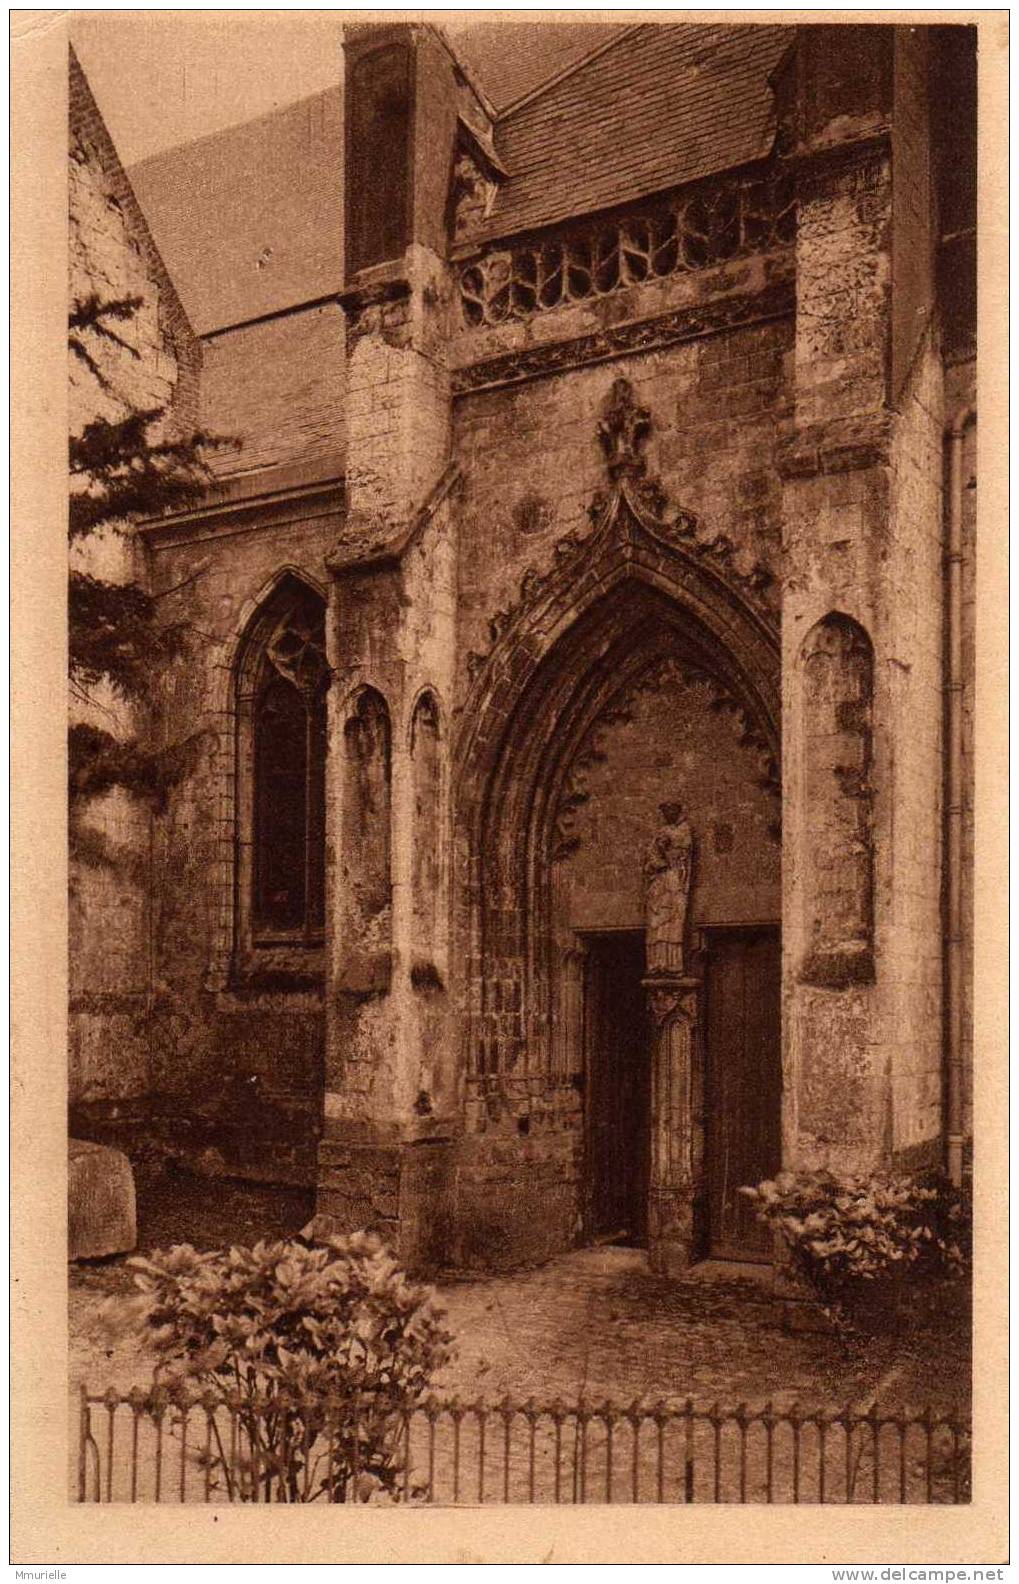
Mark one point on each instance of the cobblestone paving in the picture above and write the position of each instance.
(597, 1323)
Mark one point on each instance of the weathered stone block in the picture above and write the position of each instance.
(100, 1201)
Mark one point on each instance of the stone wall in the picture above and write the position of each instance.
(533, 469)
(236, 1055)
(677, 736)
(912, 597)
(532, 464)
(111, 255)
(863, 536)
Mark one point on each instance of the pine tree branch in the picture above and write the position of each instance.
(89, 313)
(113, 636)
(82, 352)
(132, 476)
(98, 761)
(122, 473)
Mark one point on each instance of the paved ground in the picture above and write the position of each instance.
(594, 1322)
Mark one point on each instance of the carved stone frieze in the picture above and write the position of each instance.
(777, 301)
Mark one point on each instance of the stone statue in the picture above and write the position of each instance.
(668, 866)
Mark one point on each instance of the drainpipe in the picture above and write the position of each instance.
(954, 799)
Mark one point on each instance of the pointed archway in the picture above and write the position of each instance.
(641, 592)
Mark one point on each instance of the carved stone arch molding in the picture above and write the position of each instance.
(639, 588)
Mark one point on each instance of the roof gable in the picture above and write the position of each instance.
(250, 220)
(85, 120)
(514, 59)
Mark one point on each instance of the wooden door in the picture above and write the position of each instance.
(743, 1091)
(618, 1089)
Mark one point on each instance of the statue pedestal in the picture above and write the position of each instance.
(672, 1003)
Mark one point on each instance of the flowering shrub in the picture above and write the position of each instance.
(319, 1351)
(859, 1242)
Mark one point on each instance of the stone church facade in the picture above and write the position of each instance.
(581, 827)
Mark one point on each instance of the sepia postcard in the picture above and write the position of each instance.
(509, 924)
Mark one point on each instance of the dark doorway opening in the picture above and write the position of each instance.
(743, 1092)
(618, 1089)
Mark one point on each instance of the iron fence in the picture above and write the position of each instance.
(151, 1446)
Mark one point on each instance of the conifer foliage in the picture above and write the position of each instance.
(121, 469)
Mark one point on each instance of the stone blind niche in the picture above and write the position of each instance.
(366, 864)
(837, 742)
(426, 857)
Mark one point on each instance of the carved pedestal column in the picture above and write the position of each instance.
(672, 1002)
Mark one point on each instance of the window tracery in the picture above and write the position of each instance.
(281, 718)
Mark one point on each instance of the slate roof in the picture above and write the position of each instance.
(250, 220)
(511, 59)
(666, 104)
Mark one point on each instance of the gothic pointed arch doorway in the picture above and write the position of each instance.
(632, 681)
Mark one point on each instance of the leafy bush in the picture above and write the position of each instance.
(319, 1351)
(864, 1246)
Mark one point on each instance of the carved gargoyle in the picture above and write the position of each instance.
(473, 195)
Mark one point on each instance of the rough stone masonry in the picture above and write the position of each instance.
(641, 503)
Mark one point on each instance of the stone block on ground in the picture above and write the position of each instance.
(100, 1201)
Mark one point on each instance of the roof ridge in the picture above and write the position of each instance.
(470, 76)
(567, 71)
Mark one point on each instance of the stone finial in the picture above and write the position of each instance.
(623, 430)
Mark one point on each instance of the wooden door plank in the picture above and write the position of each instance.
(742, 1030)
